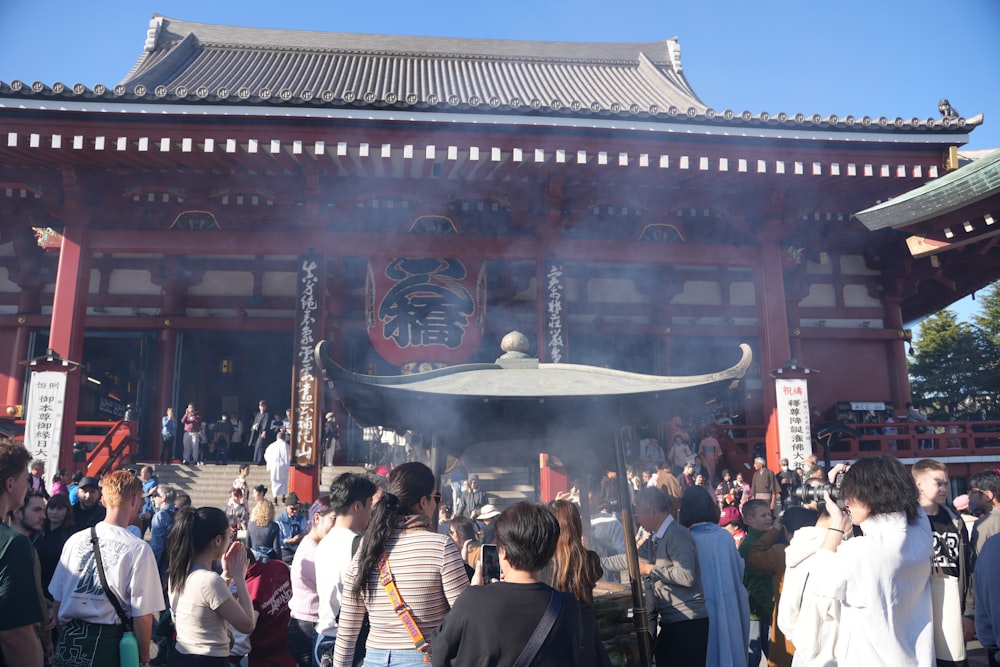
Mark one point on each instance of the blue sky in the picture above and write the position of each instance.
(860, 57)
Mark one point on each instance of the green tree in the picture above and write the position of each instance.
(988, 321)
(988, 317)
(954, 365)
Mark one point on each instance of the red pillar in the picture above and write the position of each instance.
(166, 360)
(29, 302)
(899, 379)
(69, 307)
(773, 343)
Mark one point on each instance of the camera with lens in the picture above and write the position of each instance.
(808, 494)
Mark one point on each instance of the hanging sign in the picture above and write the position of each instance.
(44, 416)
(431, 310)
(794, 439)
(309, 317)
(554, 298)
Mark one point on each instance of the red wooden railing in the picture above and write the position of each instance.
(117, 448)
(940, 440)
(102, 446)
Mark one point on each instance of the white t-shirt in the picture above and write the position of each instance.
(129, 566)
(333, 559)
(200, 628)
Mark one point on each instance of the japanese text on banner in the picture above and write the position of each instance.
(794, 435)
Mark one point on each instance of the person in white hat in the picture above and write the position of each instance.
(487, 515)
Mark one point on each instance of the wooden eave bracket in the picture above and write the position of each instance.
(922, 246)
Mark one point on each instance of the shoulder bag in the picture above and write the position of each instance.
(399, 606)
(128, 647)
(542, 631)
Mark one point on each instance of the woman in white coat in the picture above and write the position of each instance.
(809, 622)
(882, 579)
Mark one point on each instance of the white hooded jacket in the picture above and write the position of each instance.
(809, 622)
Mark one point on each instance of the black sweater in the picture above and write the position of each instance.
(489, 626)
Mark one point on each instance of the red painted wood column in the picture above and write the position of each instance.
(773, 337)
(14, 391)
(165, 364)
(899, 379)
(28, 303)
(69, 308)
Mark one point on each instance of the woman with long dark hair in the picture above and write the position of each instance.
(202, 601)
(50, 539)
(424, 567)
(881, 578)
(574, 569)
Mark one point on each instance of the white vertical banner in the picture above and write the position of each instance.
(43, 419)
(794, 439)
(555, 312)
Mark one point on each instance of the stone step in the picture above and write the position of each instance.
(209, 485)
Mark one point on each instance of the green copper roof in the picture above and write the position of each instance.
(973, 182)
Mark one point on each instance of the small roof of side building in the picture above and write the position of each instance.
(977, 181)
(952, 220)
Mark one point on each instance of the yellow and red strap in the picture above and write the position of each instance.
(404, 613)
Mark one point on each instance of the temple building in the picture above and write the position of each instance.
(440, 193)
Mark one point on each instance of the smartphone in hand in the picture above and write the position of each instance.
(491, 563)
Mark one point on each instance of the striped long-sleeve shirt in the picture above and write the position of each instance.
(429, 575)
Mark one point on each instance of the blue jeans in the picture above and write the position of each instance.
(323, 648)
(760, 642)
(378, 657)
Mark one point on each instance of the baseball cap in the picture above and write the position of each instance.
(89, 481)
(729, 515)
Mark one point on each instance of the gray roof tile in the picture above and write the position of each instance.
(218, 66)
(415, 71)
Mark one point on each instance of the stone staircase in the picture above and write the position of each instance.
(209, 485)
(506, 486)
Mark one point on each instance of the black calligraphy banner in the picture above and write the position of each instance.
(425, 310)
(309, 318)
(553, 297)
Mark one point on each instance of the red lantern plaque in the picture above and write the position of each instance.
(425, 310)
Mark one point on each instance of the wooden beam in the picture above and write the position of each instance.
(336, 244)
(922, 246)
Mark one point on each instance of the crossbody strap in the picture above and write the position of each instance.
(126, 621)
(398, 606)
(542, 631)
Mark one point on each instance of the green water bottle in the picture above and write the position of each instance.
(128, 650)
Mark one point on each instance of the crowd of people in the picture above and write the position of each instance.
(867, 564)
(317, 587)
(194, 440)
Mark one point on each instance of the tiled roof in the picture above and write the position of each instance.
(973, 182)
(399, 71)
(218, 66)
